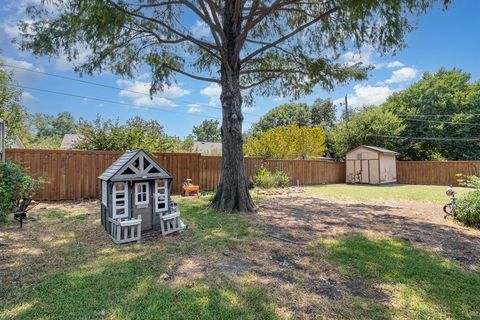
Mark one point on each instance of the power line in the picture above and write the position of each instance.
(440, 115)
(429, 138)
(113, 102)
(108, 86)
(438, 121)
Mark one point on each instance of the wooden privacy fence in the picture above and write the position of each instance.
(435, 172)
(73, 175)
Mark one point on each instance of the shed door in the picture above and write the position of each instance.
(350, 171)
(358, 171)
(365, 172)
(374, 172)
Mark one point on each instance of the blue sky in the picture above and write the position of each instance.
(443, 39)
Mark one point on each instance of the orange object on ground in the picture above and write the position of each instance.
(188, 189)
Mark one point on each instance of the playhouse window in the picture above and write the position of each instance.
(141, 193)
(120, 200)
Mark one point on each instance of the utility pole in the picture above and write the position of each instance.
(346, 112)
(2, 140)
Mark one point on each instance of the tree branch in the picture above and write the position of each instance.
(250, 71)
(204, 45)
(191, 75)
(213, 26)
(258, 83)
(289, 35)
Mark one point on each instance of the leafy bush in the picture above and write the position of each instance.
(468, 181)
(281, 179)
(264, 179)
(15, 185)
(468, 209)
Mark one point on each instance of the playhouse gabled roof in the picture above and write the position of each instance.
(134, 165)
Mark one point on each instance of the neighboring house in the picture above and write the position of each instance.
(17, 144)
(69, 141)
(208, 148)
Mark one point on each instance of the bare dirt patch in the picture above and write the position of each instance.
(302, 219)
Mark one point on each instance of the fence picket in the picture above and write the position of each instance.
(71, 175)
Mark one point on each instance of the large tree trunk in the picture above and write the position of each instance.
(232, 192)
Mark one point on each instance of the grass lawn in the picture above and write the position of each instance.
(63, 266)
(434, 194)
(420, 284)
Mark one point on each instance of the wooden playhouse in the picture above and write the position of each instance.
(135, 197)
(371, 165)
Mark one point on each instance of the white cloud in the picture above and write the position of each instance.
(139, 92)
(213, 91)
(193, 108)
(10, 28)
(364, 56)
(27, 96)
(19, 73)
(200, 29)
(395, 64)
(367, 95)
(248, 109)
(403, 75)
(62, 63)
(391, 64)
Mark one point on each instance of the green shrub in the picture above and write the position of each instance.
(468, 181)
(468, 209)
(265, 180)
(15, 185)
(281, 179)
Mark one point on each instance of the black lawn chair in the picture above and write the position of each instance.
(23, 207)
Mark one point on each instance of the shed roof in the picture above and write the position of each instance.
(376, 149)
(116, 170)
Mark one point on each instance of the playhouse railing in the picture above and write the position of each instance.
(122, 231)
(170, 222)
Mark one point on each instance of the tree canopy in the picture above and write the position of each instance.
(207, 131)
(320, 114)
(369, 126)
(113, 136)
(272, 47)
(439, 111)
(11, 109)
(47, 131)
(287, 142)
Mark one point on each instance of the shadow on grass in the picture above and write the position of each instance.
(95, 278)
(129, 290)
(422, 285)
(310, 218)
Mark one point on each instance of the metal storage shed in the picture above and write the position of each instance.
(371, 165)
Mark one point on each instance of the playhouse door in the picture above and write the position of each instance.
(142, 204)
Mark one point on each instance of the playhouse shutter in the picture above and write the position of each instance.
(120, 200)
(161, 195)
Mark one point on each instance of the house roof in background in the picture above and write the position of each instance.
(207, 147)
(69, 141)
